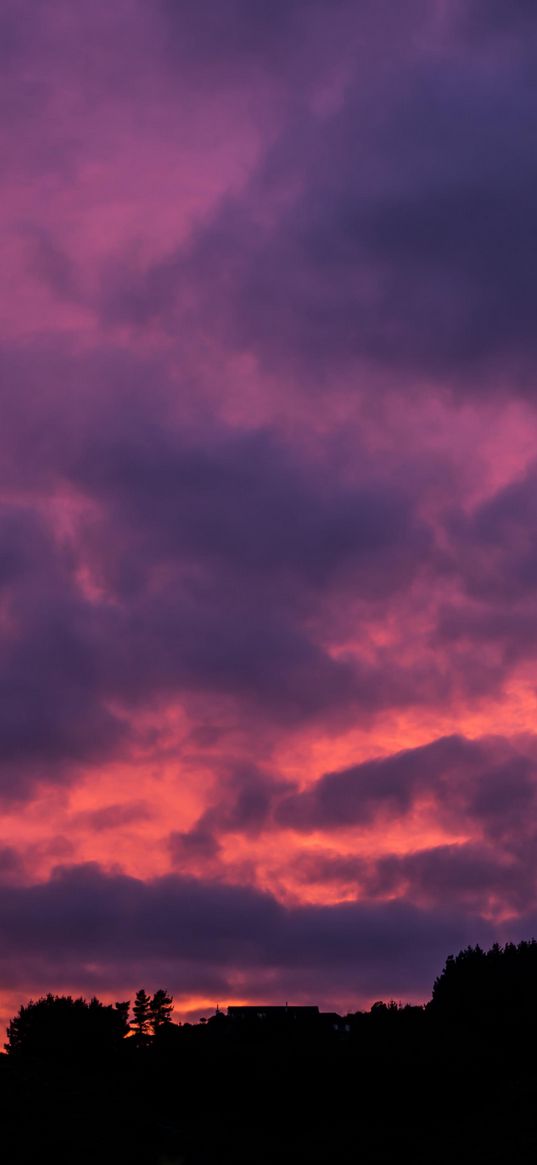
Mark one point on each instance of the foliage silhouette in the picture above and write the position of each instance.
(478, 988)
(455, 1080)
(141, 1024)
(58, 1026)
(160, 1010)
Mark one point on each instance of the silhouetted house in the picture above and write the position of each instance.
(331, 1021)
(273, 1015)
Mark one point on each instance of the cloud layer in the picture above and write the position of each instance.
(267, 494)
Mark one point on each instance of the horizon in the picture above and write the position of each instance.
(194, 1015)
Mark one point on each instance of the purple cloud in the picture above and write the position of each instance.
(199, 931)
(489, 783)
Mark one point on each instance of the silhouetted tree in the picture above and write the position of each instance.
(142, 1015)
(457, 1074)
(480, 988)
(161, 1008)
(123, 1010)
(60, 1027)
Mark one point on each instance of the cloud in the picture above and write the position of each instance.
(52, 718)
(468, 877)
(208, 555)
(223, 40)
(387, 219)
(489, 784)
(396, 231)
(223, 498)
(498, 538)
(243, 804)
(358, 794)
(114, 816)
(482, 877)
(199, 931)
(11, 865)
(248, 247)
(498, 18)
(492, 551)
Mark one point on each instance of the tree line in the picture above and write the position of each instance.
(475, 988)
(453, 1080)
(59, 1023)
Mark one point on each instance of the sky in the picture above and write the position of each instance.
(268, 495)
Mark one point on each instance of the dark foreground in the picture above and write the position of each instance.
(453, 1082)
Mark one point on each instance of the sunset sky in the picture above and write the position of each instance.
(268, 523)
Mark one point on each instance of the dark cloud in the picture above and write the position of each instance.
(494, 559)
(358, 794)
(504, 637)
(467, 876)
(249, 539)
(243, 804)
(226, 499)
(394, 226)
(409, 242)
(206, 493)
(497, 17)
(495, 546)
(430, 271)
(201, 931)
(258, 31)
(11, 865)
(212, 554)
(489, 783)
(245, 801)
(52, 718)
(198, 844)
(287, 46)
(115, 816)
(53, 265)
(483, 789)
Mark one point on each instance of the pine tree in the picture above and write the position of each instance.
(122, 1010)
(161, 1010)
(142, 1015)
